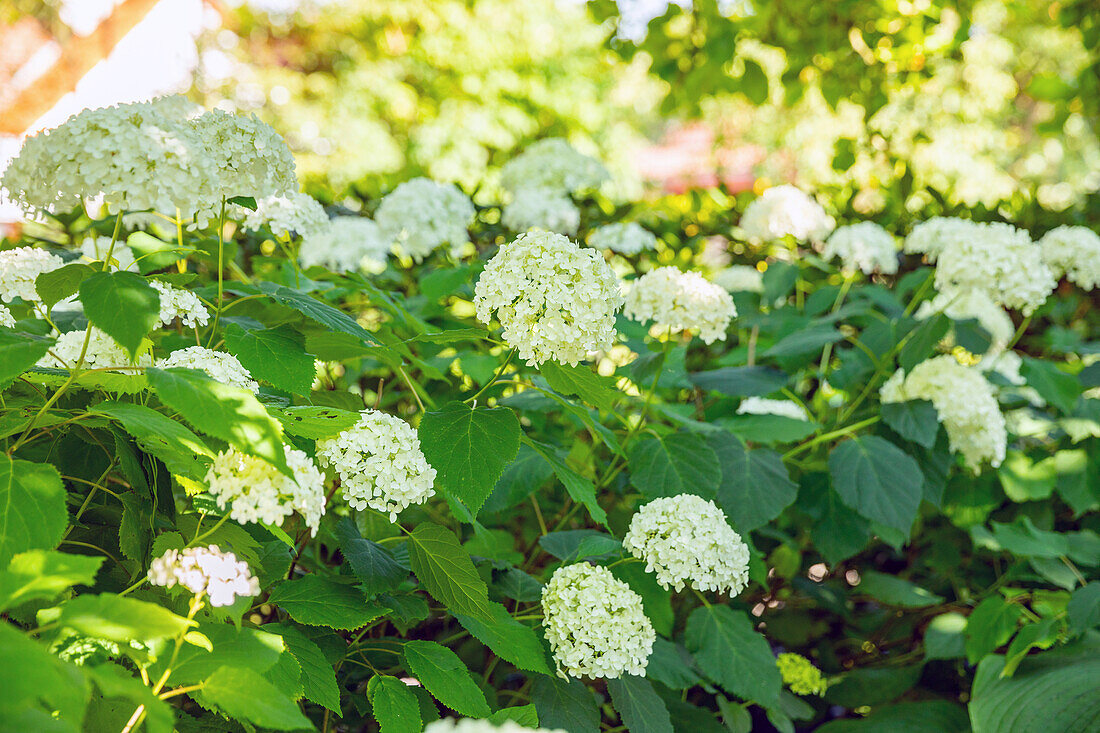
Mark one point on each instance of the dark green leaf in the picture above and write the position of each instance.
(321, 312)
(316, 601)
(873, 685)
(580, 489)
(743, 381)
(806, 341)
(878, 480)
(318, 678)
(446, 677)
(447, 572)
(731, 653)
(895, 591)
(915, 420)
(1053, 385)
(565, 704)
(1084, 608)
(394, 704)
(639, 707)
(754, 486)
(989, 625)
(121, 304)
(374, 565)
(754, 83)
(931, 716)
(509, 639)
(680, 463)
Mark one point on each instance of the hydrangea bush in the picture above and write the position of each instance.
(271, 465)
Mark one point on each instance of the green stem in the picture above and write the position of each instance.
(499, 372)
(830, 435)
(221, 273)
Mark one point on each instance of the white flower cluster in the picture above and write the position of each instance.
(207, 570)
(1073, 252)
(380, 464)
(740, 279)
(595, 623)
(103, 353)
(421, 214)
(6, 318)
(249, 157)
(864, 246)
(288, 214)
(217, 365)
(764, 406)
(20, 267)
(95, 249)
(933, 236)
(257, 492)
(686, 538)
(554, 300)
(625, 238)
(1000, 260)
(964, 401)
(681, 301)
(976, 305)
(471, 725)
(538, 208)
(553, 165)
(179, 303)
(346, 244)
(783, 211)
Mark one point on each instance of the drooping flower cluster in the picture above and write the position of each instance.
(103, 353)
(471, 725)
(420, 215)
(346, 244)
(681, 301)
(976, 305)
(595, 623)
(553, 165)
(800, 674)
(179, 303)
(764, 406)
(20, 267)
(964, 401)
(864, 246)
(554, 300)
(256, 491)
(218, 365)
(95, 249)
(538, 208)
(380, 464)
(1000, 260)
(740, 279)
(292, 213)
(686, 538)
(933, 236)
(207, 570)
(625, 238)
(783, 211)
(1073, 252)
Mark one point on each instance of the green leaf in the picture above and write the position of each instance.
(43, 574)
(314, 421)
(731, 653)
(226, 412)
(317, 601)
(754, 83)
(915, 420)
(508, 639)
(580, 489)
(37, 686)
(639, 707)
(394, 704)
(447, 572)
(944, 638)
(120, 619)
(1024, 479)
(274, 355)
(989, 625)
(115, 682)
(769, 429)
(873, 685)
(121, 304)
(931, 716)
(1084, 608)
(370, 562)
(1053, 385)
(878, 480)
(318, 678)
(895, 591)
(670, 665)
(56, 285)
(525, 715)
(581, 381)
(1039, 635)
(182, 451)
(154, 254)
(921, 341)
(228, 646)
(565, 704)
(680, 463)
(317, 310)
(32, 507)
(246, 696)
(446, 677)
(743, 381)
(18, 353)
(806, 341)
(469, 448)
(755, 487)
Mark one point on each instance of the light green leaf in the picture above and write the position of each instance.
(18, 353)
(317, 310)
(56, 285)
(878, 480)
(508, 639)
(1039, 635)
(121, 304)
(755, 486)
(315, 421)
(227, 646)
(990, 624)
(120, 619)
(43, 574)
(182, 451)
(246, 696)
(274, 355)
(394, 704)
(680, 463)
(754, 83)
(581, 381)
(32, 507)
(446, 677)
(447, 572)
(639, 707)
(35, 686)
(112, 681)
(317, 601)
(525, 715)
(734, 655)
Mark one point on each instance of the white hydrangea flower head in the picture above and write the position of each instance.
(103, 353)
(380, 464)
(555, 165)
(256, 491)
(471, 725)
(179, 303)
(7, 320)
(681, 301)
(420, 215)
(965, 402)
(863, 246)
(1000, 260)
(976, 305)
(595, 623)
(1073, 252)
(134, 157)
(346, 244)
(540, 208)
(292, 213)
(218, 365)
(933, 236)
(783, 211)
(764, 406)
(627, 238)
(20, 267)
(250, 158)
(220, 575)
(686, 539)
(554, 300)
(95, 249)
(740, 279)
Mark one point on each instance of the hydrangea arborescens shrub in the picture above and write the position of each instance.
(725, 471)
